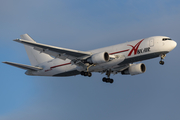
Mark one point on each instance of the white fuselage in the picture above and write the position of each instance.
(128, 52)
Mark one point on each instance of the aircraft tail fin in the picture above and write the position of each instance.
(35, 56)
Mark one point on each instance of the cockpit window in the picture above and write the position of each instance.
(166, 39)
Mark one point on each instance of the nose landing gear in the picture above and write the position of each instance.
(162, 57)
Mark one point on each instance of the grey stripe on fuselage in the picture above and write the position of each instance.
(69, 73)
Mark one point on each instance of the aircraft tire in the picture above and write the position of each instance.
(104, 79)
(111, 80)
(82, 73)
(161, 62)
(89, 74)
(85, 73)
(107, 80)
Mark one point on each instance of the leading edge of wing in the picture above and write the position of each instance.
(68, 52)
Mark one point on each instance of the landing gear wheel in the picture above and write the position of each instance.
(85, 73)
(89, 74)
(111, 80)
(107, 80)
(104, 79)
(161, 62)
(82, 73)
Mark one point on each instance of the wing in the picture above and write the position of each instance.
(57, 52)
(25, 67)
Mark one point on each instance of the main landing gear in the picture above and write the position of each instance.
(108, 80)
(89, 74)
(162, 57)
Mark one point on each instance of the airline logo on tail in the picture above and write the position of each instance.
(135, 48)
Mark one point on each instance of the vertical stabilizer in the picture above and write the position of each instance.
(35, 56)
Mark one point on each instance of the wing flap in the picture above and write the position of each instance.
(55, 51)
(22, 66)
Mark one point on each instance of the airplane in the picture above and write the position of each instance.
(55, 61)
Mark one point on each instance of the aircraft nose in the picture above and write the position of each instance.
(173, 44)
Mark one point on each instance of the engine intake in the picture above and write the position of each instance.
(99, 58)
(135, 69)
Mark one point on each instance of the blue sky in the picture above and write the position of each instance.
(86, 25)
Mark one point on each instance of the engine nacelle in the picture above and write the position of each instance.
(135, 69)
(99, 58)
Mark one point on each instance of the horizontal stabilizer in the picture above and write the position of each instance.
(26, 67)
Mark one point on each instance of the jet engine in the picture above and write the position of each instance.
(99, 58)
(135, 69)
